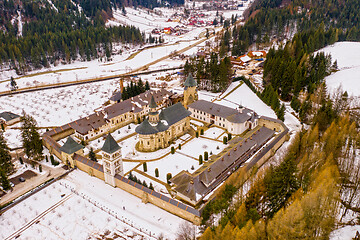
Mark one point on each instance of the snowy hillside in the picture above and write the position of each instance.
(348, 60)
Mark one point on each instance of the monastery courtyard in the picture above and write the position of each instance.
(186, 158)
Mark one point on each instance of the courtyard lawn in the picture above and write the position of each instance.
(213, 132)
(173, 163)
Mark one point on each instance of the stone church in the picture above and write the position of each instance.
(162, 127)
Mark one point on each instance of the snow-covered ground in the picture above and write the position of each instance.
(213, 132)
(173, 163)
(57, 107)
(92, 209)
(61, 213)
(345, 233)
(348, 60)
(198, 146)
(94, 69)
(247, 98)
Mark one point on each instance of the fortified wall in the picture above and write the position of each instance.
(95, 169)
(147, 195)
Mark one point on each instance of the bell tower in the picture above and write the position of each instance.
(153, 114)
(112, 160)
(190, 91)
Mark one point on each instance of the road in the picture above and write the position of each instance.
(32, 183)
(137, 71)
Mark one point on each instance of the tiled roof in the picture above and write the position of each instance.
(194, 186)
(70, 146)
(86, 124)
(168, 117)
(190, 81)
(110, 145)
(231, 114)
(152, 102)
(8, 116)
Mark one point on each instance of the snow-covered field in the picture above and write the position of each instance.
(88, 207)
(247, 98)
(57, 107)
(348, 60)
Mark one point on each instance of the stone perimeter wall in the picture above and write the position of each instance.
(165, 203)
(148, 196)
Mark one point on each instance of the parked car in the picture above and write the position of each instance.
(21, 179)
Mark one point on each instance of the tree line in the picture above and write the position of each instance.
(134, 89)
(212, 74)
(298, 198)
(50, 35)
(269, 20)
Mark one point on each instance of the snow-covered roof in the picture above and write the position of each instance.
(245, 58)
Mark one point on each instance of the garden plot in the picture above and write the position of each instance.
(57, 107)
(198, 146)
(124, 131)
(173, 163)
(125, 205)
(213, 132)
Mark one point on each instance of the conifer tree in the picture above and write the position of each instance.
(31, 138)
(5, 157)
(92, 155)
(147, 86)
(13, 84)
(5, 183)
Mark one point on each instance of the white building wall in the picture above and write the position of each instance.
(233, 128)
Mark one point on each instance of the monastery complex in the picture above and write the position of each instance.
(161, 118)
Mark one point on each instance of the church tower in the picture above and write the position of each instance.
(112, 160)
(153, 114)
(190, 91)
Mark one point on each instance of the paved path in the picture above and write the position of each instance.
(22, 188)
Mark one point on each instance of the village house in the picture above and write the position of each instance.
(9, 118)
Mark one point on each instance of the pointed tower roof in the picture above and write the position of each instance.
(152, 102)
(110, 145)
(70, 146)
(190, 81)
